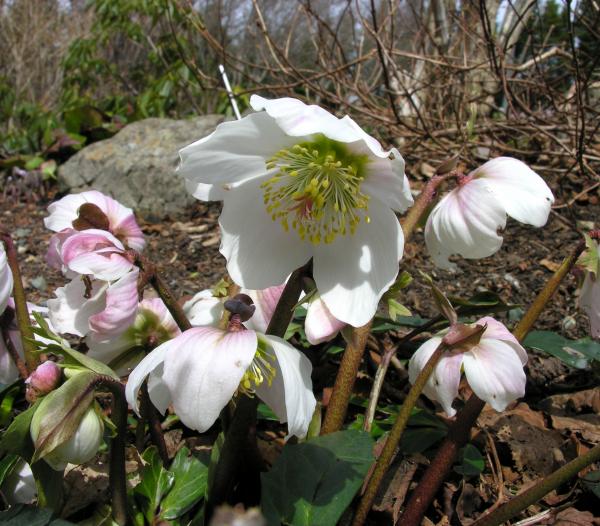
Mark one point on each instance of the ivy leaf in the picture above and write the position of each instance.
(156, 483)
(312, 483)
(16, 439)
(471, 461)
(576, 353)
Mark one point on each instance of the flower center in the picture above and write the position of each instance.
(261, 369)
(316, 189)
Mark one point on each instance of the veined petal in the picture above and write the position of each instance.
(290, 394)
(71, 310)
(442, 385)
(465, 222)
(524, 195)
(259, 252)
(121, 306)
(265, 301)
(589, 301)
(6, 279)
(320, 325)
(203, 369)
(354, 271)
(152, 364)
(235, 152)
(494, 371)
(387, 181)
(498, 331)
(204, 309)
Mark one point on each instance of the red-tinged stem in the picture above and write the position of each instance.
(414, 215)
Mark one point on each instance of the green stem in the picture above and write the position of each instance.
(387, 454)
(532, 495)
(23, 320)
(414, 215)
(344, 381)
(117, 474)
(459, 432)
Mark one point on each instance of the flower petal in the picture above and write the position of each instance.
(442, 385)
(589, 301)
(524, 195)
(121, 306)
(498, 331)
(259, 252)
(320, 325)
(290, 394)
(265, 302)
(151, 364)
(235, 152)
(70, 311)
(494, 371)
(204, 309)
(354, 271)
(202, 371)
(8, 370)
(465, 222)
(6, 279)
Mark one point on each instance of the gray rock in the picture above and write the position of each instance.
(137, 165)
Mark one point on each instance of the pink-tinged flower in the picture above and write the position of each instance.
(299, 183)
(6, 279)
(204, 309)
(200, 371)
(106, 308)
(493, 367)
(466, 221)
(121, 220)
(153, 325)
(45, 378)
(589, 301)
(96, 253)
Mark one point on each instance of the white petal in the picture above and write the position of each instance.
(495, 372)
(259, 252)
(8, 370)
(6, 279)
(524, 195)
(442, 385)
(121, 306)
(235, 152)
(204, 309)
(290, 394)
(589, 301)
(265, 302)
(157, 307)
(205, 192)
(152, 363)
(498, 331)
(320, 325)
(465, 222)
(354, 271)
(203, 369)
(19, 486)
(70, 311)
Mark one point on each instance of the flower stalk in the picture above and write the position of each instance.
(393, 439)
(459, 432)
(151, 415)
(415, 213)
(16, 358)
(530, 496)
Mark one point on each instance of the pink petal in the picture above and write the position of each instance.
(265, 302)
(320, 325)
(6, 279)
(589, 301)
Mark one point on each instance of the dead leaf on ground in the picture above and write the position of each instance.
(574, 517)
(550, 265)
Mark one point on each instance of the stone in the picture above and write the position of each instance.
(137, 165)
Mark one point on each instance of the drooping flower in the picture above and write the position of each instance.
(589, 296)
(466, 221)
(106, 308)
(81, 447)
(153, 325)
(199, 371)
(6, 279)
(298, 183)
(118, 219)
(493, 368)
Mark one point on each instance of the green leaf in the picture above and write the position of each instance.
(7, 464)
(60, 412)
(156, 482)
(215, 454)
(311, 484)
(590, 260)
(17, 439)
(471, 461)
(576, 353)
(34, 163)
(191, 477)
(21, 515)
(591, 482)
(396, 309)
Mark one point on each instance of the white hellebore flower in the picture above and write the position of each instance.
(19, 485)
(199, 371)
(493, 367)
(298, 183)
(6, 279)
(589, 297)
(466, 221)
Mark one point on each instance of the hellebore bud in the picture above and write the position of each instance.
(242, 305)
(80, 448)
(44, 379)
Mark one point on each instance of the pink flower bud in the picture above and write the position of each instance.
(44, 379)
